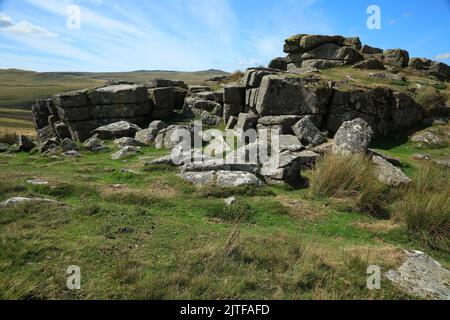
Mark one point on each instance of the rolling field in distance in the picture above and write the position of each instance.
(19, 89)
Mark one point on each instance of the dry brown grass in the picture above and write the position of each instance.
(425, 207)
(349, 177)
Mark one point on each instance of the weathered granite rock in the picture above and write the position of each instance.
(396, 57)
(427, 139)
(197, 89)
(253, 77)
(19, 200)
(173, 136)
(312, 65)
(370, 50)
(199, 178)
(285, 95)
(353, 42)
(282, 168)
(371, 64)
(353, 137)
(118, 94)
(224, 179)
(146, 136)
(127, 141)
(162, 101)
(282, 123)
(117, 130)
(72, 154)
(220, 165)
(406, 112)
(331, 51)
(94, 144)
(230, 201)
(246, 121)
(234, 101)
(387, 76)
(38, 182)
(158, 125)
(71, 99)
(61, 130)
(372, 105)
(286, 142)
(232, 122)
(307, 133)
(50, 144)
(163, 83)
(68, 145)
(389, 174)
(278, 63)
(422, 276)
(210, 120)
(227, 179)
(126, 152)
(24, 144)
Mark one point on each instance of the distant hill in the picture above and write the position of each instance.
(19, 88)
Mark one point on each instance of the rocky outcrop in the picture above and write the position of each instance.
(427, 67)
(396, 57)
(370, 64)
(321, 52)
(288, 95)
(278, 63)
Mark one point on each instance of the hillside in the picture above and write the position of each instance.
(290, 182)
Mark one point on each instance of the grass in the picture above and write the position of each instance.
(351, 178)
(152, 236)
(425, 207)
(158, 237)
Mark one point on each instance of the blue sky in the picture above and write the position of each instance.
(189, 35)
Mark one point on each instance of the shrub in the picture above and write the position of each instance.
(349, 177)
(425, 208)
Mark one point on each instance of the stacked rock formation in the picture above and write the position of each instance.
(77, 114)
(278, 100)
(306, 53)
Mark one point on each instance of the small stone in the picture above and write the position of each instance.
(127, 141)
(72, 154)
(126, 152)
(230, 201)
(18, 200)
(38, 182)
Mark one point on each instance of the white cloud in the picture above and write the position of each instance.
(24, 28)
(444, 56)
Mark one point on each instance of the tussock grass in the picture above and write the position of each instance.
(10, 186)
(8, 137)
(287, 270)
(425, 207)
(431, 99)
(244, 191)
(239, 212)
(349, 177)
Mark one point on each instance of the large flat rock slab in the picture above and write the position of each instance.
(422, 276)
